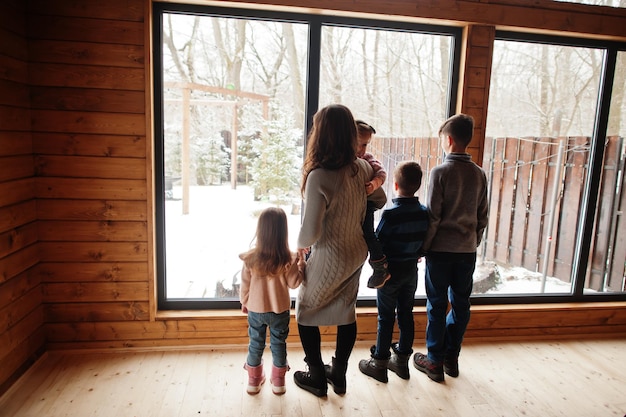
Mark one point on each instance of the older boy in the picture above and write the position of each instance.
(457, 206)
(401, 230)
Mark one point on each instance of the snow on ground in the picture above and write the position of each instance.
(202, 247)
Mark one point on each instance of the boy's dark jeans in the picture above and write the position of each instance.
(448, 276)
(373, 245)
(396, 297)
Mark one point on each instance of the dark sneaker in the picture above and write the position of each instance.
(312, 382)
(451, 367)
(399, 362)
(430, 368)
(376, 368)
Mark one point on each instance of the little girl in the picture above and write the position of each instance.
(269, 270)
(378, 260)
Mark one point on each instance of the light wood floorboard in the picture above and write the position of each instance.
(513, 379)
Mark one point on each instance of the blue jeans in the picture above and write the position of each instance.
(449, 277)
(279, 330)
(396, 297)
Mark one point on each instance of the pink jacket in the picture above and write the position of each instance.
(380, 175)
(268, 294)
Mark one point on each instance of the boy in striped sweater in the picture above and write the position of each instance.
(401, 231)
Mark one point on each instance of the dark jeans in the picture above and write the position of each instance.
(279, 330)
(373, 245)
(449, 276)
(396, 298)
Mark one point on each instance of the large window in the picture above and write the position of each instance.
(396, 81)
(235, 92)
(543, 156)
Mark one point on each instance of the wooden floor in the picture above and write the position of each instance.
(559, 378)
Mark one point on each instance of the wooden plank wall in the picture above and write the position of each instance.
(474, 85)
(75, 175)
(22, 334)
(88, 81)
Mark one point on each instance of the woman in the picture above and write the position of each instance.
(333, 186)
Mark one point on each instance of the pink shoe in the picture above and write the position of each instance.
(278, 379)
(256, 378)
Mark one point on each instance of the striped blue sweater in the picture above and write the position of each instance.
(402, 229)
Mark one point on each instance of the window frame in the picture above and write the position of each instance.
(592, 186)
(315, 23)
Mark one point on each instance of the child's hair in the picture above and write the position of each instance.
(408, 176)
(271, 255)
(332, 141)
(460, 128)
(364, 129)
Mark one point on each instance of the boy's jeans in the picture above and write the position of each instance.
(448, 276)
(279, 330)
(398, 293)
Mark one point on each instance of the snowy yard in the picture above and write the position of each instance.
(202, 247)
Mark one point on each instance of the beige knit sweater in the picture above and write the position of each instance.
(334, 210)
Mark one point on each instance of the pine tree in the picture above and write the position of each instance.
(275, 171)
(212, 160)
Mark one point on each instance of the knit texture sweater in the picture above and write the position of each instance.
(334, 210)
(261, 294)
(457, 205)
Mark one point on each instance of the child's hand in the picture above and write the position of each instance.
(301, 262)
(244, 309)
(302, 253)
(369, 188)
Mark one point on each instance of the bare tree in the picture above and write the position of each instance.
(230, 47)
(294, 72)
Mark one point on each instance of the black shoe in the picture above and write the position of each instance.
(307, 382)
(430, 368)
(451, 367)
(399, 362)
(336, 376)
(376, 368)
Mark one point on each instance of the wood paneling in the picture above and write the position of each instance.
(91, 189)
(474, 85)
(21, 315)
(488, 323)
(91, 210)
(89, 145)
(75, 170)
(90, 167)
(92, 272)
(89, 53)
(91, 99)
(538, 16)
(68, 28)
(85, 231)
(66, 75)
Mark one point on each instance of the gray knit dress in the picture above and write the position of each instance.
(334, 209)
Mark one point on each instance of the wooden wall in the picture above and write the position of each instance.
(76, 226)
(22, 335)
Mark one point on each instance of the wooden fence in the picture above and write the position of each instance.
(522, 175)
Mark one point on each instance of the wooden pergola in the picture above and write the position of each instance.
(187, 102)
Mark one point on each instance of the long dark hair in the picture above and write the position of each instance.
(332, 141)
(271, 255)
